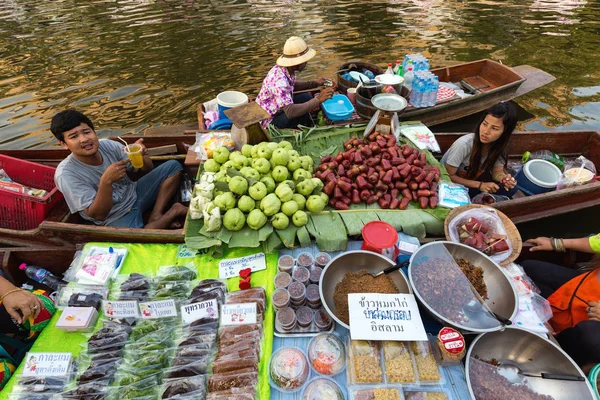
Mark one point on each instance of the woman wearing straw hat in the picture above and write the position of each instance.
(277, 92)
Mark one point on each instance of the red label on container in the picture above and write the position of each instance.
(452, 340)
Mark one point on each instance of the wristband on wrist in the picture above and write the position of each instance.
(9, 292)
(479, 187)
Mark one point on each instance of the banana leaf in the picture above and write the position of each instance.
(304, 237)
(245, 237)
(329, 231)
(288, 235)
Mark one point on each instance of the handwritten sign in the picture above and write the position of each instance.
(238, 314)
(158, 309)
(121, 309)
(231, 267)
(47, 364)
(184, 252)
(195, 311)
(375, 316)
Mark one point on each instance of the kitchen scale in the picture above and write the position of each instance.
(388, 105)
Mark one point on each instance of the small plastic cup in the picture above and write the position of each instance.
(305, 259)
(282, 280)
(322, 259)
(315, 275)
(286, 264)
(312, 296)
(280, 299)
(288, 370)
(135, 155)
(304, 315)
(286, 318)
(301, 275)
(297, 291)
(322, 320)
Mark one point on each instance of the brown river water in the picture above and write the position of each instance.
(132, 64)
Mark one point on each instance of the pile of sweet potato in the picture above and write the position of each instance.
(377, 169)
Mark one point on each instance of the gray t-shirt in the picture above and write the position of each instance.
(459, 154)
(79, 183)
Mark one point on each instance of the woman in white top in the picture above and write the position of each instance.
(478, 160)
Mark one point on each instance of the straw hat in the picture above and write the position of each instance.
(295, 52)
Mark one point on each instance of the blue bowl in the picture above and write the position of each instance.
(338, 108)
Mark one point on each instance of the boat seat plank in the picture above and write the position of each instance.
(479, 83)
(162, 150)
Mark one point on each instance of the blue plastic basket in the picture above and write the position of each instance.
(338, 108)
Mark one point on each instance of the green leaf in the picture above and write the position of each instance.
(225, 235)
(245, 237)
(433, 226)
(201, 242)
(234, 172)
(251, 181)
(304, 237)
(222, 186)
(288, 235)
(265, 232)
(204, 232)
(355, 221)
(272, 244)
(329, 231)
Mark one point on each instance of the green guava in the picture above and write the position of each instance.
(258, 191)
(234, 219)
(300, 218)
(221, 154)
(280, 221)
(256, 219)
(246, 203)
(315, 204)
(238, 185)
(211, 165)
(270, 204)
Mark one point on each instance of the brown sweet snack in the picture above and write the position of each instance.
(286, 317)
(282, 280)
(304, 316)
(280, 298)
(219, 382)
(474, 275)
(312, 294)
(233, 332)
(322, 320)
(304, 259)
(359, 282)
(322, 259)
(297, 291)
(221, 366)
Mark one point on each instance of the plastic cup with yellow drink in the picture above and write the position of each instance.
(134, 152)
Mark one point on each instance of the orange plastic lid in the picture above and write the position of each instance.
(452, 340)
(379, 234)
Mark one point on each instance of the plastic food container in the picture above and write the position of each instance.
(428, 370)
(285, 264)
(286, 317)
(380, 237)
(304, 315)
(375, 392)
(315, 275)
(282, 280)
(323, 321)
(301, 274)
(305, 259)
(399, 366)
(288, 369)
(280, 298)
(78, 319)
(327, 354)
(322, 259)
(297, 292)
(312, 296)
(338, 108)
(419, 394)
(321, 389)
(364, 363)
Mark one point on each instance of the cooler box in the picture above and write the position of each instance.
(21, 211)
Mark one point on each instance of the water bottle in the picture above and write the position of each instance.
(41, 275)
(416, 94)
(436, 87)
(409, 75)
(389, 70)
(397, 67)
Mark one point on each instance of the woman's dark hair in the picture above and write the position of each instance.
(497, 148)
(66, 120)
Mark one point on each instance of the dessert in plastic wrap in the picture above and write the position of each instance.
(327, 354)
(365, 366)
(288, 369)
(398, 362)
(322, 388)
(427, 366)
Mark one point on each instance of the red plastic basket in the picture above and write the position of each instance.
(21, 211)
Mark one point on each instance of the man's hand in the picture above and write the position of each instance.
(325, 94)
(24, 302)
(594, 310)
(540, 244)
(140, 142)
(489, 187)
(114, 172)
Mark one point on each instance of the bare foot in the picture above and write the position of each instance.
(166, 220)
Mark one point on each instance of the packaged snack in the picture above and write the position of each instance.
(97, 266)
(304, 316)
(315, 275)
(322, 320)
(305, 259)
(322, 259)
(233, 394)
(417, 395)
(135, 282)
(377, 393)
(206, 340)
(235, 331)
(364, 362)
(427, 366)
(301, 274)
(280, 298)
(286, 318)
(98, 372)
(398, 362)
(327, 354)
(282, 280)
(219, 382)
(174, 387)
(171, 290)
(197, 367)
(222, 366)
(177, 273)
(78, 319)
(76, 295)
(451, 346)
(254, 295)
(288, 369)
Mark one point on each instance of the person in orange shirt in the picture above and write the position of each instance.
(574, 296)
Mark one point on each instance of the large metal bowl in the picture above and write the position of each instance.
(532, 354)
(502, 296)
(354, 261)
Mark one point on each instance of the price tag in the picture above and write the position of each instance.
(231, 267)
(121, 309)
(47, 364)
(196, 311)
(238, 314)
(376, 316)
(158, 309)
(184, 252)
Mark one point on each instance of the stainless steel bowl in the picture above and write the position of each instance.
(533, 354)
(354, 261)
(502, 296)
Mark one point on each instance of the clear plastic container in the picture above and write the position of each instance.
(76, 295)
(282, 280)
(285, 263)
(297, 291)
(321, 389)
(399, 367)
(315, 275)
(323, 321)
(286, 318)
(327, 354)
(280, 299)
(288, 370)
(304, 315)
(322, 259)
(420, 393)
(428, 370)
(301, 274)
(305, 259)
(364, 363)
(364, 392)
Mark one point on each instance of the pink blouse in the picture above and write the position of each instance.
(276, 92)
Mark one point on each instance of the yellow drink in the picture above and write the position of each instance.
(135, 155)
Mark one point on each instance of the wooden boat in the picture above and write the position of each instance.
(62, 229)
(489, 81)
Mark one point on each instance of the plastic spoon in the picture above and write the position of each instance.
(126, 145)
(511, 370)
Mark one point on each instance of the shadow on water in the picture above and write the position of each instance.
(131, 64)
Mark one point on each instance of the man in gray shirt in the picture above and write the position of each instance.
(96, 179)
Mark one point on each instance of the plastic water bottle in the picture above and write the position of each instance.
(397, 67)
(416, 94)
(41, 275)
(436, 87)
(409, 75)
(389, 70)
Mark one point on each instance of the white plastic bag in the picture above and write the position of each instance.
(494, 225)
(577, 172)
(207, 142)
(452, 195)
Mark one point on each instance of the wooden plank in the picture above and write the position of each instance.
(534, 78)
(169, 129)
(162, 150)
